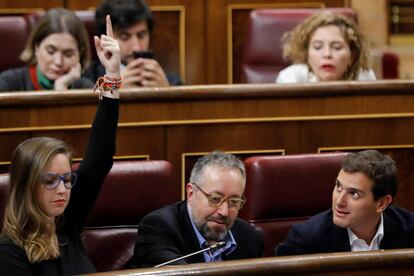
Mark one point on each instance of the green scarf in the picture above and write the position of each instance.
(44, 82)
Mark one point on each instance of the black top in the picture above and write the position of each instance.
(18, 79)
(96, 70)
(91, 173)
(320, 235)
(167, 233)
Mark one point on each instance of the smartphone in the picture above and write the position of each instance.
(143, 54)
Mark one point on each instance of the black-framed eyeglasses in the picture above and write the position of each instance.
(52, 180)
(216, 200)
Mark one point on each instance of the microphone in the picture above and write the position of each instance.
(215, 246)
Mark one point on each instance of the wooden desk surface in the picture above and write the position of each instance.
(180, 124)
(390, 262)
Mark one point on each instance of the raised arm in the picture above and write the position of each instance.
(108, 51)
(101, 148)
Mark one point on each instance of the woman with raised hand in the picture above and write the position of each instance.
(48, 203)
(56, 52)
(325, 47)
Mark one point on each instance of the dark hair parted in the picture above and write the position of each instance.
(124, 14)
(380, 168)
(219, 160)
(58, 20)
(296, 42)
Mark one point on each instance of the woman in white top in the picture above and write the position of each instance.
(325, 47)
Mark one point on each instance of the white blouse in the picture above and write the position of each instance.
(297, 73)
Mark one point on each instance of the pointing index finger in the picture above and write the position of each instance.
(109, 31)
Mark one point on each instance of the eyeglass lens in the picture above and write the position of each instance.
(53, 180)
(218, 200)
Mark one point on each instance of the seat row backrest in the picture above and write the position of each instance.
(15, 30)
(130, 191)
(286, 189)
(263, 51)
(280, 191)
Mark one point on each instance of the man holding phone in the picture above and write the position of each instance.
(132, 22)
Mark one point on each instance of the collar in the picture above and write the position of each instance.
(215, 255)
(39, 81)
(311, 75)
(358, 244)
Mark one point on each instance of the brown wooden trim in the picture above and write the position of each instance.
(211, 92)
(19, 11)
(380, 262)
(352, 148)
(182, 34)
(219, 121)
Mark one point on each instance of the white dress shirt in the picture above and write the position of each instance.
(358, 244)
(299, 73)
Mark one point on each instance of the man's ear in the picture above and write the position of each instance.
(189, 190)
(383, 203)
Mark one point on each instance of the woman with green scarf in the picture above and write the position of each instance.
(56, 52)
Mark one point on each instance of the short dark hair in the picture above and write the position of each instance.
(380, 168)
(124, 14)
(219, 160)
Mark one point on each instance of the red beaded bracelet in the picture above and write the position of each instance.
(105, 83)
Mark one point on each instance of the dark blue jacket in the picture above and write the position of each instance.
(320, 235)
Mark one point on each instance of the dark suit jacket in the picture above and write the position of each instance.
(167, 233)
(320, 235)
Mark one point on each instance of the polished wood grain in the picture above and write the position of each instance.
(177, 122)
(390, 262)
(25, 6)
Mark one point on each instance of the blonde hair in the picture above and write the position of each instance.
(24, 220)
(296, 42)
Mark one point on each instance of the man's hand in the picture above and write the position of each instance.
(144, 72)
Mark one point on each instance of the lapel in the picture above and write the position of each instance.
(337, 240)
(239, 236)
(340, 240)
(190, 239)
(392, 237)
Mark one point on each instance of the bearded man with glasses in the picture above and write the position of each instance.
(209, 215)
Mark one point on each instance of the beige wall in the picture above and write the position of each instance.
(373, 21)
(406, 59)
(372, 16)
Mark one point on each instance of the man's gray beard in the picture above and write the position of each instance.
(211, 235)
(208, 233)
